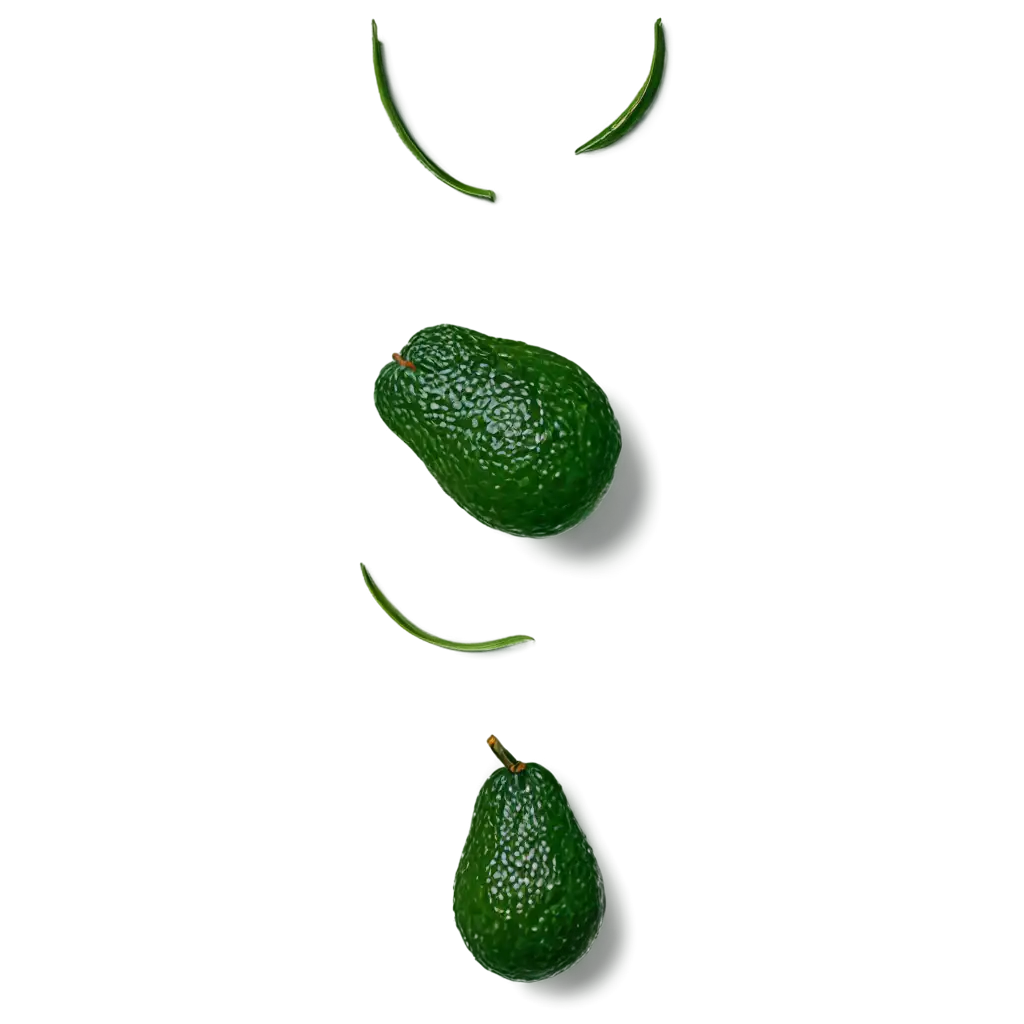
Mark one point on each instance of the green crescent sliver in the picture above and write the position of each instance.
(390, 611)
(386, 105)
(627, 117)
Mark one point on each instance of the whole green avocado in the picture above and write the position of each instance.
(522, 438)
(529, 898)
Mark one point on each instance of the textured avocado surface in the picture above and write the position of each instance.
(528, 892)
(522, 438)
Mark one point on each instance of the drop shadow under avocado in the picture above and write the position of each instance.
(602, 548)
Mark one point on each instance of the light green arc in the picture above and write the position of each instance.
(411, 627)
(715, 622)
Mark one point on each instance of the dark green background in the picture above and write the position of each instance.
(224, 786)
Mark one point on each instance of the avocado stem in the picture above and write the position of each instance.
(504, 756)
(402, 362)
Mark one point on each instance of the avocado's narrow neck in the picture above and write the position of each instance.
(402, 362)
(504, 756)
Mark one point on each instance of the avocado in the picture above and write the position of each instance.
(529, 898)
(522, 438)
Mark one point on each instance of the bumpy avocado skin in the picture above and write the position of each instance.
(522, 438)
(529, 898)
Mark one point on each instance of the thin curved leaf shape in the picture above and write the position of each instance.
(410, 627)
(385, 104)
(625, 119)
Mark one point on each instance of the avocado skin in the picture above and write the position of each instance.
(529, 898)
(522, 438)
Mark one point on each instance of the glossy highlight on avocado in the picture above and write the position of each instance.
(522, 438)
(529, 898)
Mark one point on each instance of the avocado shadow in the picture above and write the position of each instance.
(658, 103)
(601, 548)
(582, 988)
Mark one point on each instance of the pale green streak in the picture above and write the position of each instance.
(717, 622)
(452, 645)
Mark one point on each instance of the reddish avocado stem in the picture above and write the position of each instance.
(402, 362)
(504, 756)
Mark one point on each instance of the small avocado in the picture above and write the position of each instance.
(522, 438)
(529, 898)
